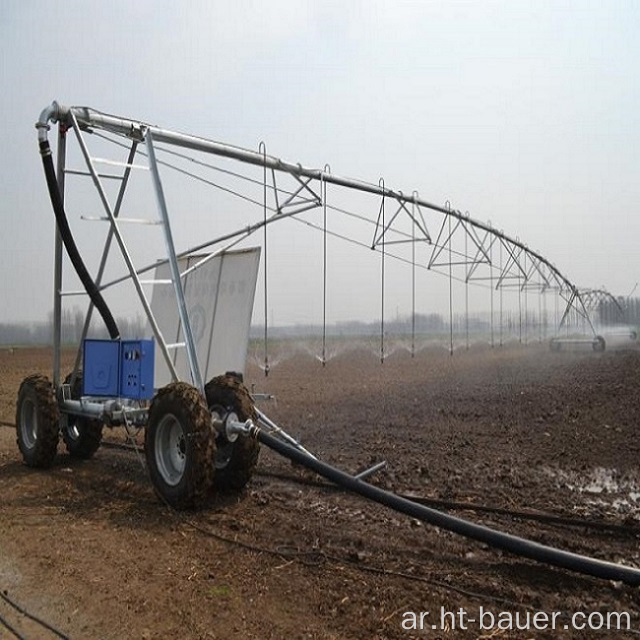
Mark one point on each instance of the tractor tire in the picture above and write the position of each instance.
(599, 344)
(37, 422)
(235, 461)
(82, 436)
(179, 446)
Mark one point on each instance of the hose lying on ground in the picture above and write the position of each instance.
(498, 539)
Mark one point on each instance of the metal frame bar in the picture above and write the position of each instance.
(123, 249)
(57, 268)
(196, 377)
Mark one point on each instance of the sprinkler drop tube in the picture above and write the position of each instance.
(507, 542)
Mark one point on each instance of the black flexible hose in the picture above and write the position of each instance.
(40, 621)
(505, 541)
(70, 245)
(11, 629)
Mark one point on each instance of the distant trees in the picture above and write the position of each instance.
(424, 323)
(625, 311)
(622, 311)
(14, 333)
(17, 333)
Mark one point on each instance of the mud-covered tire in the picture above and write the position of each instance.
(599, 344)
(179, 446)
(37, 421)
(236, 461)
(82, 436)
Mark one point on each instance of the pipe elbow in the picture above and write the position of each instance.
(54, 112)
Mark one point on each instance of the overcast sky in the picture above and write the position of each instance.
(522, 113)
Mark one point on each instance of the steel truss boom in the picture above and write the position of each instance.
(595, 298)
(523, 268)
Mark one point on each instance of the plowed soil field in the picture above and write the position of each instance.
(543, 445)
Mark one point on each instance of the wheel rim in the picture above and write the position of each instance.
(29, 423)
(171, 450)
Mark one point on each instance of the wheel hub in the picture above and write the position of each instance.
(171, 450)
(29, 423)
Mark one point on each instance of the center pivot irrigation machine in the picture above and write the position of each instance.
(183, 383)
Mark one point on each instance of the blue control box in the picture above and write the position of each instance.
(119, 368)
(136, 369)
(101, 370)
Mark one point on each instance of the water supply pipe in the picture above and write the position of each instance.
(506, 541)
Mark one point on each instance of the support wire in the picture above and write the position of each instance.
(448, 205)
(323, 191)
(381, 183)
(263, 149)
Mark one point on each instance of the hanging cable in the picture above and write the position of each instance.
(413, 275)
(526, 302)
(448, 205)
(381, 184)
(466, 283)
(540, 315)
(323, 191)
(491, 290)
(546, 317)
(519, 307)
(501, 293)
(263, 149)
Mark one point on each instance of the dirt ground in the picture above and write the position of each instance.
(88, 547)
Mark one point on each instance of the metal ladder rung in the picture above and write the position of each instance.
(176, 345)
(107, 176)
(167, 281)
(116, 163)
(126, 220)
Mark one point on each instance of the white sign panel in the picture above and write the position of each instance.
(219, 297)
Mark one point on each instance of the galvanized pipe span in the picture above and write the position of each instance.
(88, 118)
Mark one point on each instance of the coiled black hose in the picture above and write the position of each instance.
(498, 539)
(70, 245)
